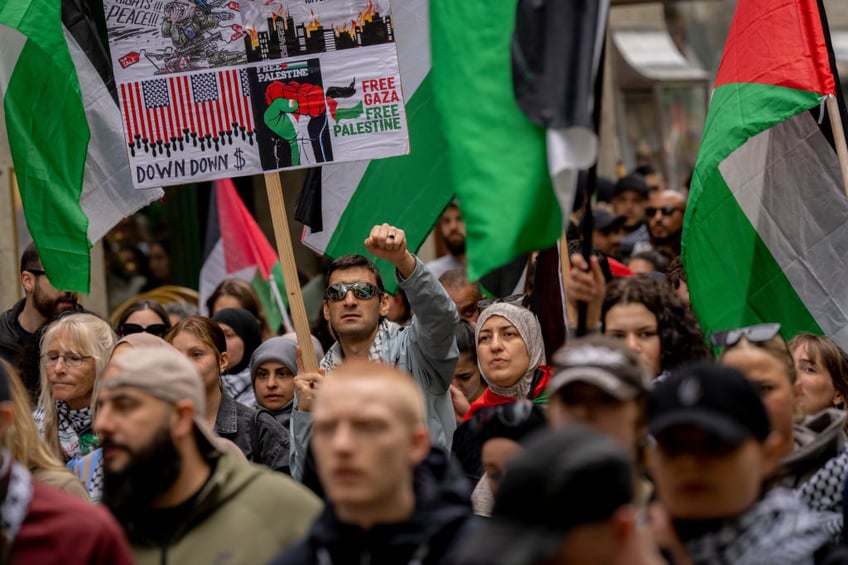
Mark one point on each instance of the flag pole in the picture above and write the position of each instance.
(592, 182)
(285, 251)
(838, 138)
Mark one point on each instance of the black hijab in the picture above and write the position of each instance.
(246, 327)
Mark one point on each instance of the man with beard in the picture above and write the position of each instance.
(452, 229)
(43, 525)
(664, 214)
(356, 304)
(180, 498)
(41, 303)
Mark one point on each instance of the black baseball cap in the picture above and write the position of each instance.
(563, 479)
(631, 182)
(719, 400)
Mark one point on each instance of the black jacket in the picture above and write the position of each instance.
(442, 518)
(12, 335)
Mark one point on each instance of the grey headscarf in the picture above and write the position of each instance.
(280, 349)
(530, 331)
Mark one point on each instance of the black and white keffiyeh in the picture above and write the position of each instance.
(76, 437)
(780, 528)
(239, 387)
(823, 491)
(334, 356)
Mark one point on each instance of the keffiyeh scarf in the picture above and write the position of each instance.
(75, 435)
(239, 387)
(778, 529)
(335, 356)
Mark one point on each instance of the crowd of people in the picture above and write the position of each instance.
(442, 426)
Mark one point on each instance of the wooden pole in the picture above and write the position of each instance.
(10, 278)
(286, 253)
(838, 139)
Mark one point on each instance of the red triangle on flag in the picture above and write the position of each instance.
(780, 43)
(245, 245)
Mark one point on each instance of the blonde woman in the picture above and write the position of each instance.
(74, 351)
(28, 449)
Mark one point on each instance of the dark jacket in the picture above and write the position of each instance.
(260, 437)
(12, 335)
(442, 518)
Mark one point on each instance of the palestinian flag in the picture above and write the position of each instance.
(498, 156)
(235, 247)
(766, 226)
(409, 191)
(61, 129)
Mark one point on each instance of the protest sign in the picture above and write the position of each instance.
(215, 88)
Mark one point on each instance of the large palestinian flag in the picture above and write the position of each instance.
(61, 129)
(766, 228)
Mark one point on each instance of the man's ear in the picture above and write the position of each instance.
(28, 281)
(623, 524)
(384, 304)
(420, 444)
(183, 419)
(326, 309)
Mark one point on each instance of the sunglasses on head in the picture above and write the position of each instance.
(754, 334)
(514, 299)
(362, 290)
(665, 210)
(159, 330)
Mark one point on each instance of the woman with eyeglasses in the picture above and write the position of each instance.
(74, 352)
(260, 437)
(811, 449)
(243, 335)
(146, 316)
(26, 447)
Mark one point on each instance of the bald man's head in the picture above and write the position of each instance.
(369, 432)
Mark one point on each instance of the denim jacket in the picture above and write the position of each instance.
(254, 431)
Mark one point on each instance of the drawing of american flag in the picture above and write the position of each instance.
(162, 114)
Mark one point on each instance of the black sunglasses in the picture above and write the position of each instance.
(754, 334)
(362, 290)
(514, 299)
(666, 211)
(159, 330)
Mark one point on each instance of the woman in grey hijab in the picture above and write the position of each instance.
(511, 356)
